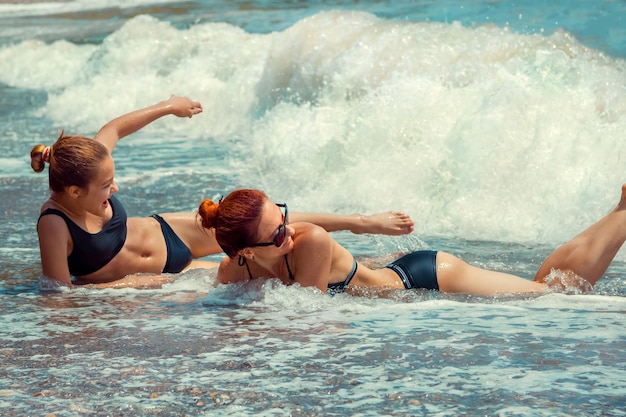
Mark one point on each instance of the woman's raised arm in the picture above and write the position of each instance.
(131, 122)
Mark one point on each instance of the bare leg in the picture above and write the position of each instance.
(590, 253)
(456, 276)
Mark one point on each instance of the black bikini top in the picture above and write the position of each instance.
(333, 288)
(337, 287)
(93, 251)
(242, 261)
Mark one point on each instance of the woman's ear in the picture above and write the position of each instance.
(247, 253)
(74, 191)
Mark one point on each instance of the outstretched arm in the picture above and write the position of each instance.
(136, 281)
(131, 122)
(392, 223)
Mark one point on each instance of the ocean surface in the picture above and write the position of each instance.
(498, 125)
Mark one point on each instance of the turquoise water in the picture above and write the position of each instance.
(497, 125)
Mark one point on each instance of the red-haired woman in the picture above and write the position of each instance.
(85, 236)
(256, 235)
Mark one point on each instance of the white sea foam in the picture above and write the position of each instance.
(477, 131)
(20, 9)
(458, 126)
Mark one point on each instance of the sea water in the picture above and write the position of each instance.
(498, 126)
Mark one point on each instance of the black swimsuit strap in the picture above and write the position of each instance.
(289, 269)
(241, 262)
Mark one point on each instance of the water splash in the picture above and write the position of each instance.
(567, 282)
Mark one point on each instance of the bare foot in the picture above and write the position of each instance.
(392, 223)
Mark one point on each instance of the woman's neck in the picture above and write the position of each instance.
(67, 204)
(275, 265)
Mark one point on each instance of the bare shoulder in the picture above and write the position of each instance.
(55, 244)
(52, 224)
(312, 256)
(229, 271)
(309, 235)
(55, 241)
(309, 229)
(49, 204)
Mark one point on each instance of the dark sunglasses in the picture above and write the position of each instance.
(281, 234)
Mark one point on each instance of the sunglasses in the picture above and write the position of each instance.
(281, 234)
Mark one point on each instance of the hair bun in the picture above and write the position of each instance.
(208, 213)
(39, 155)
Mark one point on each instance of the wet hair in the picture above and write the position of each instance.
(74, 160)
(235, 219)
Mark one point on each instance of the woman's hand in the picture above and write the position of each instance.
(183, 106)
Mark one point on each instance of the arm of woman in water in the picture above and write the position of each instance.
(229, 272)
(54, 240)
(135, 281)
(131, 122)
(392, 223)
